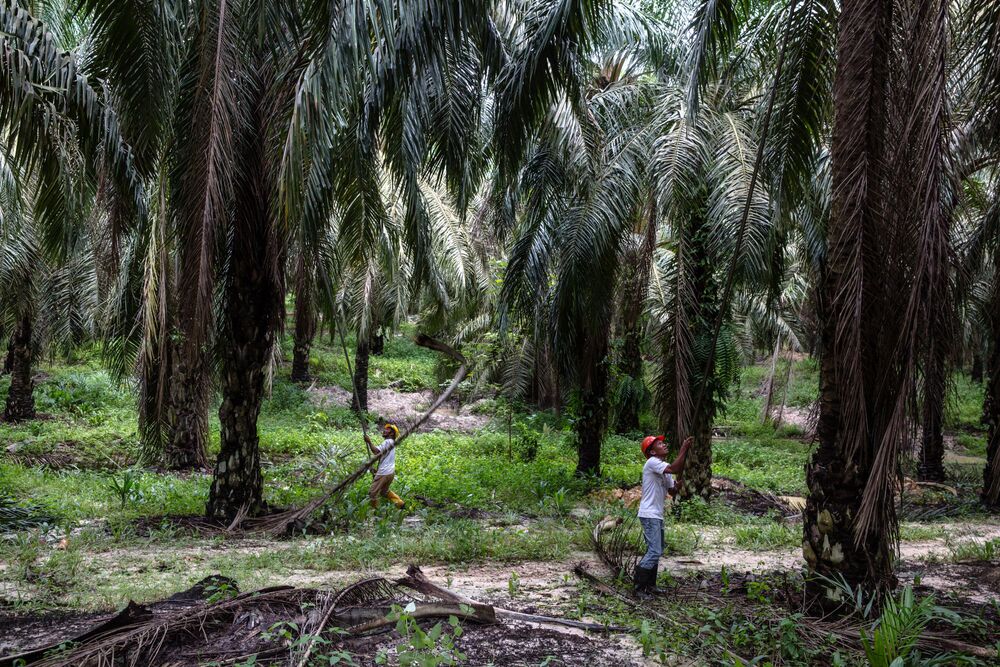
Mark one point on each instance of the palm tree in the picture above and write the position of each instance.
(257, 108)
(59, 140)
(888, 178)
(579, 205)
(982, 22)
(19, 257)
(305, 314)
(978, 239)
(50, 299)
(630, 392)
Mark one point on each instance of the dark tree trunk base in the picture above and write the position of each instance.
(253, 310)
(991, 414)
(305, 319)
(300, 362)
(20, 404)
(828, 543)
(593, 421)
(697, 477)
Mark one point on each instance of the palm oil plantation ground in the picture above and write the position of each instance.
(493, 511)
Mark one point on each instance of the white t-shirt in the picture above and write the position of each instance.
(655, 483)
(388, 463)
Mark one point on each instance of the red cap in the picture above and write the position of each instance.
(648, 441)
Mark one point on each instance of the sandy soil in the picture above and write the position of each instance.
(405, 408)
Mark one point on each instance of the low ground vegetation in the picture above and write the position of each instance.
(87, 525)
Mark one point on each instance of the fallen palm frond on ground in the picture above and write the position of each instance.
(281, 624)
(618, 543)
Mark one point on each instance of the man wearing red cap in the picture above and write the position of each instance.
(657, 479)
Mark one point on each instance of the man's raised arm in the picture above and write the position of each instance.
(677, 467)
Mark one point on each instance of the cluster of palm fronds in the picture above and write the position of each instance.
(619, 543)
(15, 516)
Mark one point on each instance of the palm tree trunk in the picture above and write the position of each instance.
(636, 289)
(765, 415)
(20, 397)
(305, 320)
(252, 313)
(378, 342)
(359, 396)
(8, 361)
(190, 386)
(931, 467)
(593, 418)
(838, 471)
(697, 477)
(976, 371)
(991, 403)
(680, 376)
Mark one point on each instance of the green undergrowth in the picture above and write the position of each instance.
(403, 365)
(770, 464)
(964, 406)
(490, 495)
(743, 411)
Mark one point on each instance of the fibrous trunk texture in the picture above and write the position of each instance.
(20, 397)
(252, 314)
(839, 469)
(543, 392)
(991, 406)
(635, 289)
(8, 361)
(305, 320)
(359, 396)
(682, 379)
(378, 342)
(593, 418)
(931, 468)
(190, 385)
(697, 477)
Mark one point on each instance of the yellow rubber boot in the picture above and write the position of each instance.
(394, 499)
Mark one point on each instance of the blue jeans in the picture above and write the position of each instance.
(652, 530)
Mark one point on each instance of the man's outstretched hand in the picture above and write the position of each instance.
(677, 467)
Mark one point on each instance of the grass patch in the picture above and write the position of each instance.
(772, 464)
(975, 550)
(71, 495)
(768, 536)
(920, 532)
(964, 407)
(974, 445)
(403, 365)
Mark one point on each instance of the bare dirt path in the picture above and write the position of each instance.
(406, 408)
(145, 572)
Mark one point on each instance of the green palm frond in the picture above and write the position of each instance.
(57, 124)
